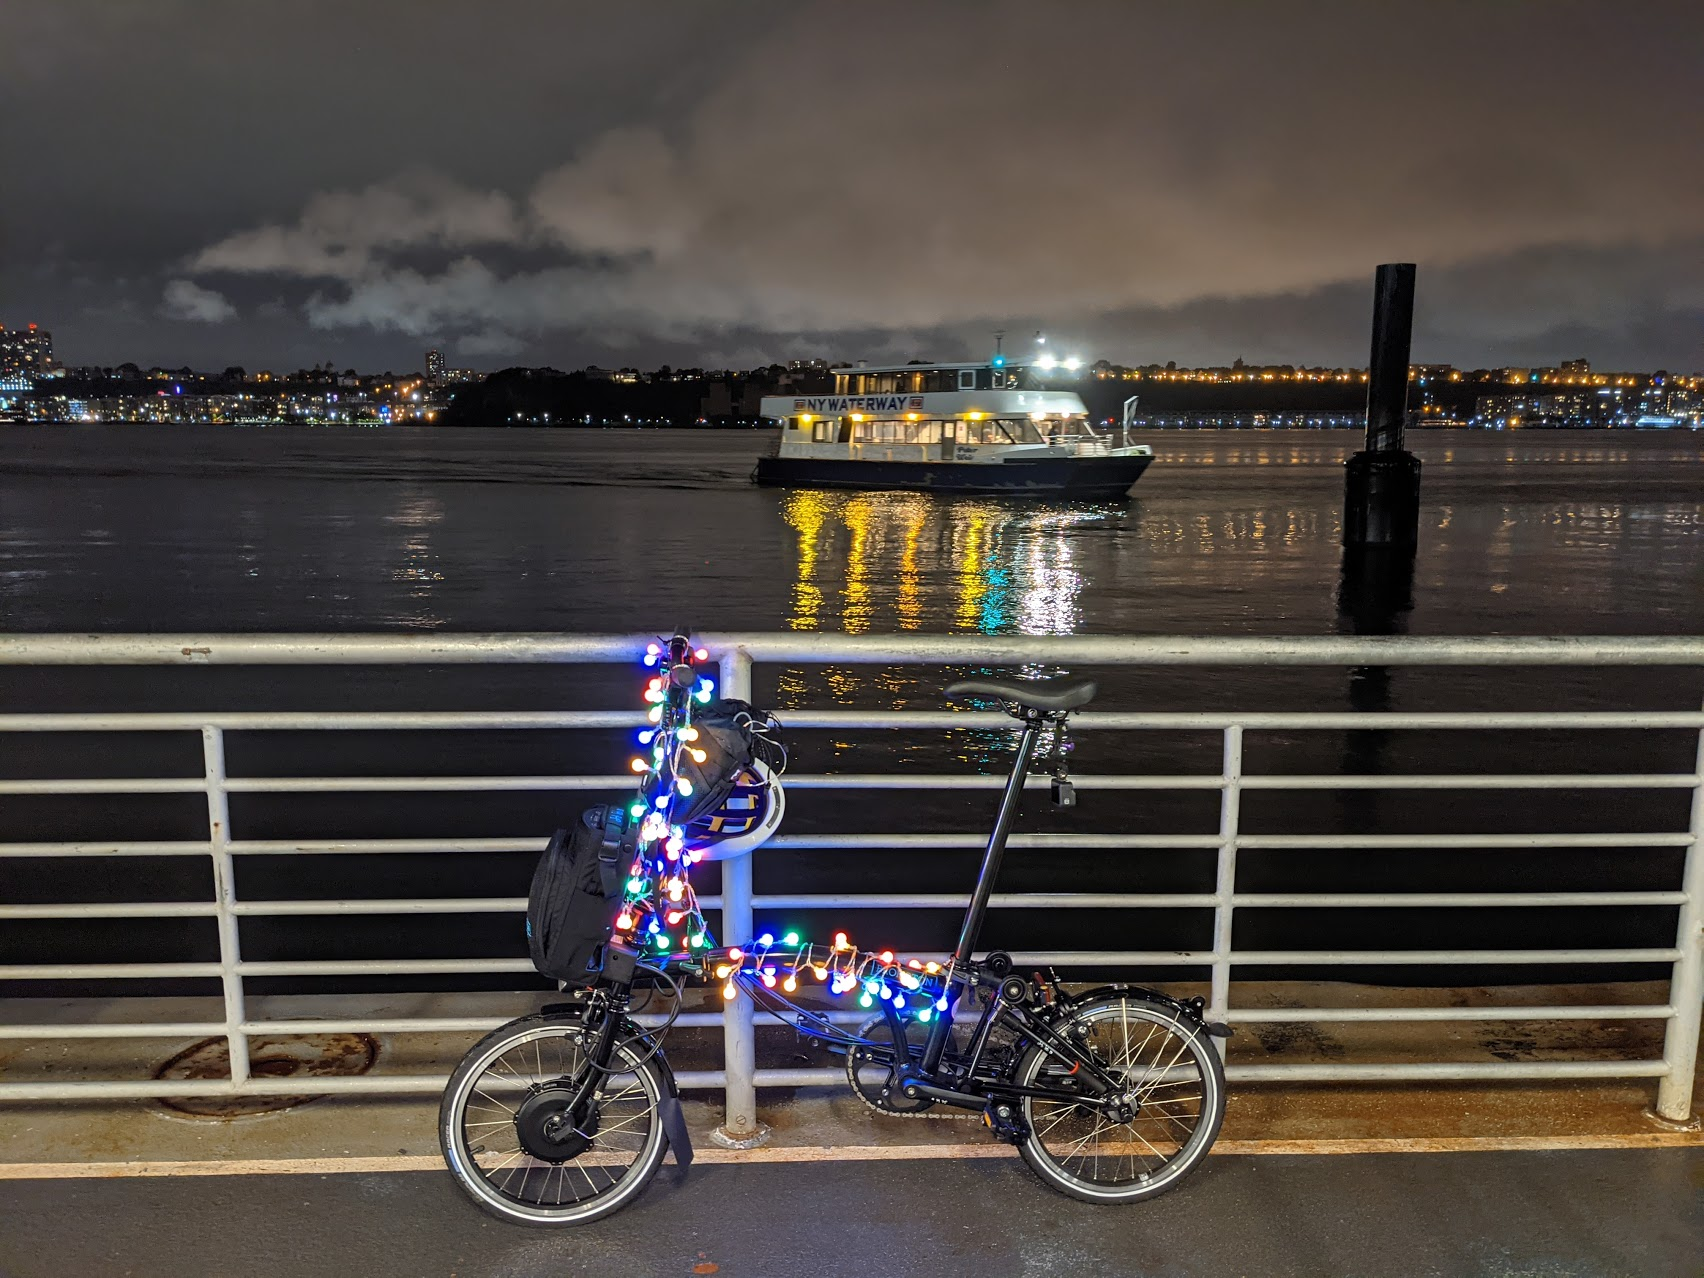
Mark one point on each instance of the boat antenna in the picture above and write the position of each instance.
(999, 360)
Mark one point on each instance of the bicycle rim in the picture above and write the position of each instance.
(484, 1149)
(1170, 1073)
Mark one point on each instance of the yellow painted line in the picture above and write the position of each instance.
(853, 1154)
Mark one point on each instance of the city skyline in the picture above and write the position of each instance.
(726, 187)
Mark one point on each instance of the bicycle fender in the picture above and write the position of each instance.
(1190, 1009)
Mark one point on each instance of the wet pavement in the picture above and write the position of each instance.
(1626, 1212)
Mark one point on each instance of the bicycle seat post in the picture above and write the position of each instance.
(997, 840)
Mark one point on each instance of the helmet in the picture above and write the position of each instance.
(747, 815)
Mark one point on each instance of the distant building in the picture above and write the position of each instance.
(1577, 367)
(435, 367)
(25, 351)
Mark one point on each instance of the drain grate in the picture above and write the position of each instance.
(280, 1057)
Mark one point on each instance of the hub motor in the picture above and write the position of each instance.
(548, 1131)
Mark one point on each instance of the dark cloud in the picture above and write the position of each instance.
(697, 181)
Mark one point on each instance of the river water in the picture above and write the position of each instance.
(107, 528)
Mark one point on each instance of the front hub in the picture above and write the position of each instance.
(549, 1131)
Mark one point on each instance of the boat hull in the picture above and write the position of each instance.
(1083, 477)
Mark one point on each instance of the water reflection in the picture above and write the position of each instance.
(909, 561)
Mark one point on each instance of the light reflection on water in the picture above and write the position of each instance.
(902, 561)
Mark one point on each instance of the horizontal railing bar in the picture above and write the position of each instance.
(127, 1029)
(1443, 1072)
(1183, 721)
(1451, 957)
(493, 648)
(868, 901)
(325, 720)
(999, 901)
(1372, 841)
(1287, 1015)
(363, 1085)
(1458, 781)
(267, 847)
(381, 1084)
(418, 905)
(111, 910)
(352, 785)
(117, 848)
(1424, 900)
(102, 971)
(106, 785)
(1296, 720)
(367, 967)
(877, 842)
(1060, 958)
(881, 842)
(859, 781)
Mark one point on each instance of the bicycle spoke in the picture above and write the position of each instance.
(1160, 1070)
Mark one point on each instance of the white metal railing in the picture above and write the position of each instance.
(223, 845)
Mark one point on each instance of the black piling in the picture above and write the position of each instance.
(1381, 495)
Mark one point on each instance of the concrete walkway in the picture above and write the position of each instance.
(1634, 1213)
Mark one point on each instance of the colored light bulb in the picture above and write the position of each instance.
(728, 990)
(840, 941)
(864, 1001)
(640, 765)
(792, 938)
(699, 941)
(662, 942)
(684, 786)
(941, 1003)
(766, 940)
(886, 956)
(624, 922)
(722, 970)
(924, 1015)
(701, 654)
(736, 953)
(646, 735)
(790, 984)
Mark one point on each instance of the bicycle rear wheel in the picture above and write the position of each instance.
(1172, 1079)
(516, 1150)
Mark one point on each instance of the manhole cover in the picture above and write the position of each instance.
(282, 1057)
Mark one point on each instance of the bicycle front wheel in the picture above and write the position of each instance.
(1173, 1084)
(516, 1150)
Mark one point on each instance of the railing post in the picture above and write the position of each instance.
(1686, 984)
(1225, 886)
(740, 1128)
(224, 897)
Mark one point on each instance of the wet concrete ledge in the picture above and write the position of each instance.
(398, 1133)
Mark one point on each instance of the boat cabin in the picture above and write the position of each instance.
(957, 412)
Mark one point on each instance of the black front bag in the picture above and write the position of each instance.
(576, 892)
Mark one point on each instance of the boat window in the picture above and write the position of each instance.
(899, 432)
(967, 379)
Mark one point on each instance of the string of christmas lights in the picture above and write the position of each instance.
(660, 913)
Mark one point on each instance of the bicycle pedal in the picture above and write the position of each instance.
(1006, 1123)
(1064, 793)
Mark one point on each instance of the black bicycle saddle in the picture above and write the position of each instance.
(1036, 694)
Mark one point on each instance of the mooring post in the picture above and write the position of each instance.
(1381, 495)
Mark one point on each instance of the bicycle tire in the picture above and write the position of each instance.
(637, 1081)
(1182, 1047)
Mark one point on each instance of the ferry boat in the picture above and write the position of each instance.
(993, 427)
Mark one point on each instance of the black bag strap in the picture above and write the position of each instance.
(619, 840)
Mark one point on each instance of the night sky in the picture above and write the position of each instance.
(277, 184)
